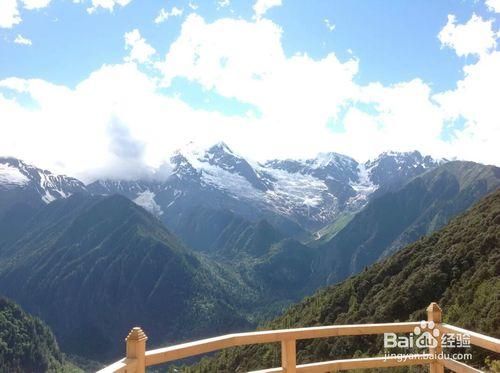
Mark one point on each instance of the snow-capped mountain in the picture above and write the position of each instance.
(294, 195)
(392, 169)
(24, 183)
(307, 193)
(326, 166)
(335, 173)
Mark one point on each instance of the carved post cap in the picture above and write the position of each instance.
(433, 307)
(136, 348)
(434, 312)
(136, 334)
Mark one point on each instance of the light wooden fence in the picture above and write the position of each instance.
(137, 358)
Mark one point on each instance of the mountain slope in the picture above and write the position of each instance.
(275, 266)
(94, 267)
(26, 344)
(223, 234)
(400, 217)
(457, 266)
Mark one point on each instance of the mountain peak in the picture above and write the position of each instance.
(39, 183)
(220, 147)
(413, 158)
(392, 168)
(392, 153)
(330, 158)
(10, 173)
(198, 150)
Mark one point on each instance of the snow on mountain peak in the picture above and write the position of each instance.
(394, 168)
(147, 200)
(221, 147)
(312, 191)
(15, 173)
(329, 159)
(11, 176)
(194, 153)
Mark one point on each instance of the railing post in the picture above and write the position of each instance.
(434, 314)
(136, 348)
(289, 356)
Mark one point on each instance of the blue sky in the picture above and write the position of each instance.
(394, 40)
(380, 52)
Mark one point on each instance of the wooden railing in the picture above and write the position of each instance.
(137, 358)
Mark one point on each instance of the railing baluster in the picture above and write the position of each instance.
(136, 349)
(434, 314)
(289, 356)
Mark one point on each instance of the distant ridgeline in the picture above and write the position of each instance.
(458, 266)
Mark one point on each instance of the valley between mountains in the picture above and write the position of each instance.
(211, 243)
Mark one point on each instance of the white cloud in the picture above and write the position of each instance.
(330, 26)
(475, 100)
(9, 14)
(223, 3)
(22, 40)
(164, 15)
(140, 50)
(118, 123)
(400, 117)
(35, 4)
(476, 37)
(297, 96)
(112, 124)
(192, 5)
(262, 6)
(249, 64)
(106, 4)
(493, 5)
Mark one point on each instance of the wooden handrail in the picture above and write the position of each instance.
(137, 358)
(457, 366)
(370, 362)
(481, 340)
(166, 354)
(121, 366)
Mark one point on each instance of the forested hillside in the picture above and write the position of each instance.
(26, 344)
(93, 267)
(458, 266)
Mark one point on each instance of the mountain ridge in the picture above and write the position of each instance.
(296, 195)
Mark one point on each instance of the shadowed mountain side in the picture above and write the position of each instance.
(219, 232)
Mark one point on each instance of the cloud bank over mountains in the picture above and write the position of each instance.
(128, 116)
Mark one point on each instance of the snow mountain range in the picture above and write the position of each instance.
(21, 183)
(295, 195)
